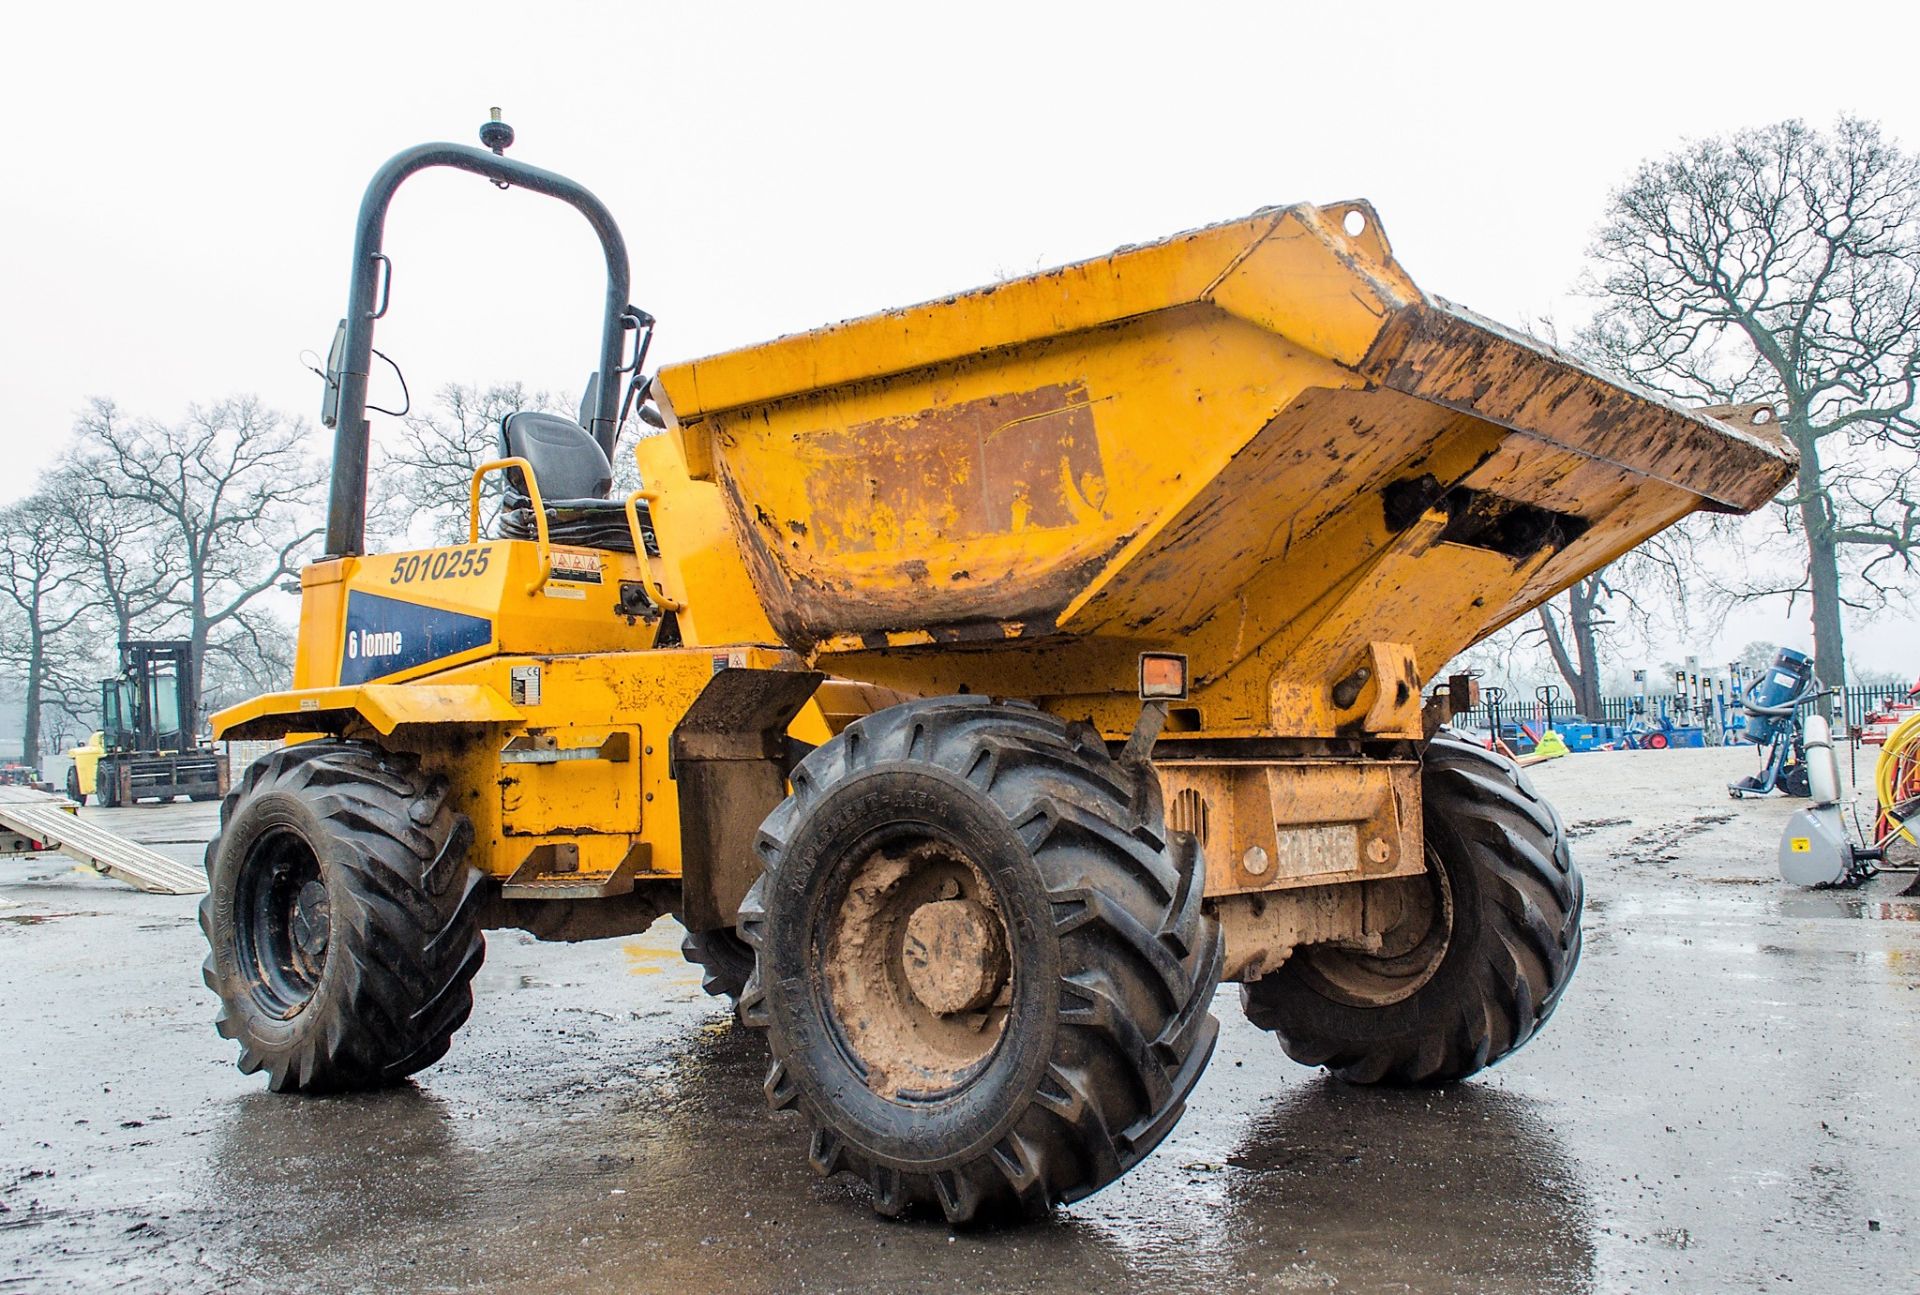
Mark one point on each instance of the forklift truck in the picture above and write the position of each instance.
(146, 748)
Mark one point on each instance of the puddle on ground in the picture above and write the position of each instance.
(38, 919)
(1720, 901)
(645, 960)
(1882, 910)
(1844, 903)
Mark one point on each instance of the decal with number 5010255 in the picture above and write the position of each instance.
(442, 564)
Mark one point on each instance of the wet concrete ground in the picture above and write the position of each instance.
(1727, 1100)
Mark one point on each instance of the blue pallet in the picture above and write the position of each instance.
(1582, 736)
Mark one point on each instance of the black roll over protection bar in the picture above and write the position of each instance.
(345, 409)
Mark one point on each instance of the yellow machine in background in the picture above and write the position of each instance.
(82, 772)
(978, 682)
(148, 747)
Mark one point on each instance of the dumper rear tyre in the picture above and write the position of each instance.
(725, 961)
(985, 979)
(342, 918)
(1480, 981)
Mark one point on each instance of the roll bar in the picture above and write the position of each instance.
(347, 507)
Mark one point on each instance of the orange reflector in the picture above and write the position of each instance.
(1163, 676)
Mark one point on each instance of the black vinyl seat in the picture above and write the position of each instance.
(575, 480)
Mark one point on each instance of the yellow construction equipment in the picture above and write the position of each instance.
(147, 748)
(979, 683)
(83, 773)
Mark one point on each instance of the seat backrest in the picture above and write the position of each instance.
(566, 461)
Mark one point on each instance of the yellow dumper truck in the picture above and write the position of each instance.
(979, 683)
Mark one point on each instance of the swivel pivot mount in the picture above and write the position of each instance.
(496, 134)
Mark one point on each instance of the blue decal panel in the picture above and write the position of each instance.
(386, 636)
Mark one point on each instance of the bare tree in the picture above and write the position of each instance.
(42, 597)
(124, 554)
(1571, 625)
(254, 656)
(230, 489)
(1646, 590)
(423, 488)
(1783, 264)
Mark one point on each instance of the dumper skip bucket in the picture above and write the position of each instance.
(1258, 439)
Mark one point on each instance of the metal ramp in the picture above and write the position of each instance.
(51, 820)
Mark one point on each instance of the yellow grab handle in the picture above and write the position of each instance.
(659, 594)
(533, 499)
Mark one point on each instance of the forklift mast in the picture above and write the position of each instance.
(150, 705)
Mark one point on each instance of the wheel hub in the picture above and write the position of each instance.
(1410, 951)
(285, 917)
(310, 913)
(916, 969)
(954, 957)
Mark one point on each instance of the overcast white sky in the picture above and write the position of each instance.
(176, 216)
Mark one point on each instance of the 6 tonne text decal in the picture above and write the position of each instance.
(374, 643)
(387, 635)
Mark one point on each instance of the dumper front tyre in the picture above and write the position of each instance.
(1478, 963)
(985, 981)
(342, 918)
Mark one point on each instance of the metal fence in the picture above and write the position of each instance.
(1861, 702)
(1855, 703)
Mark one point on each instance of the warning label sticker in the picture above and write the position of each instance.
(576, 568)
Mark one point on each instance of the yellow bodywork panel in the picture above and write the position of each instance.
(703, 570)
(571, 779)
(382, 707)
(1278, 825)
(578, 756)
(397, 616)
(86, 762)
(1258, 444)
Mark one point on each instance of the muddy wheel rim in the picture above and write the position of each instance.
(915, 967)
(1411, 951)
(284, 922)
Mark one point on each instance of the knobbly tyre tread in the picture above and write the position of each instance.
(1500, 979)
(405, 938)
(725, 960)
(1138, 967)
